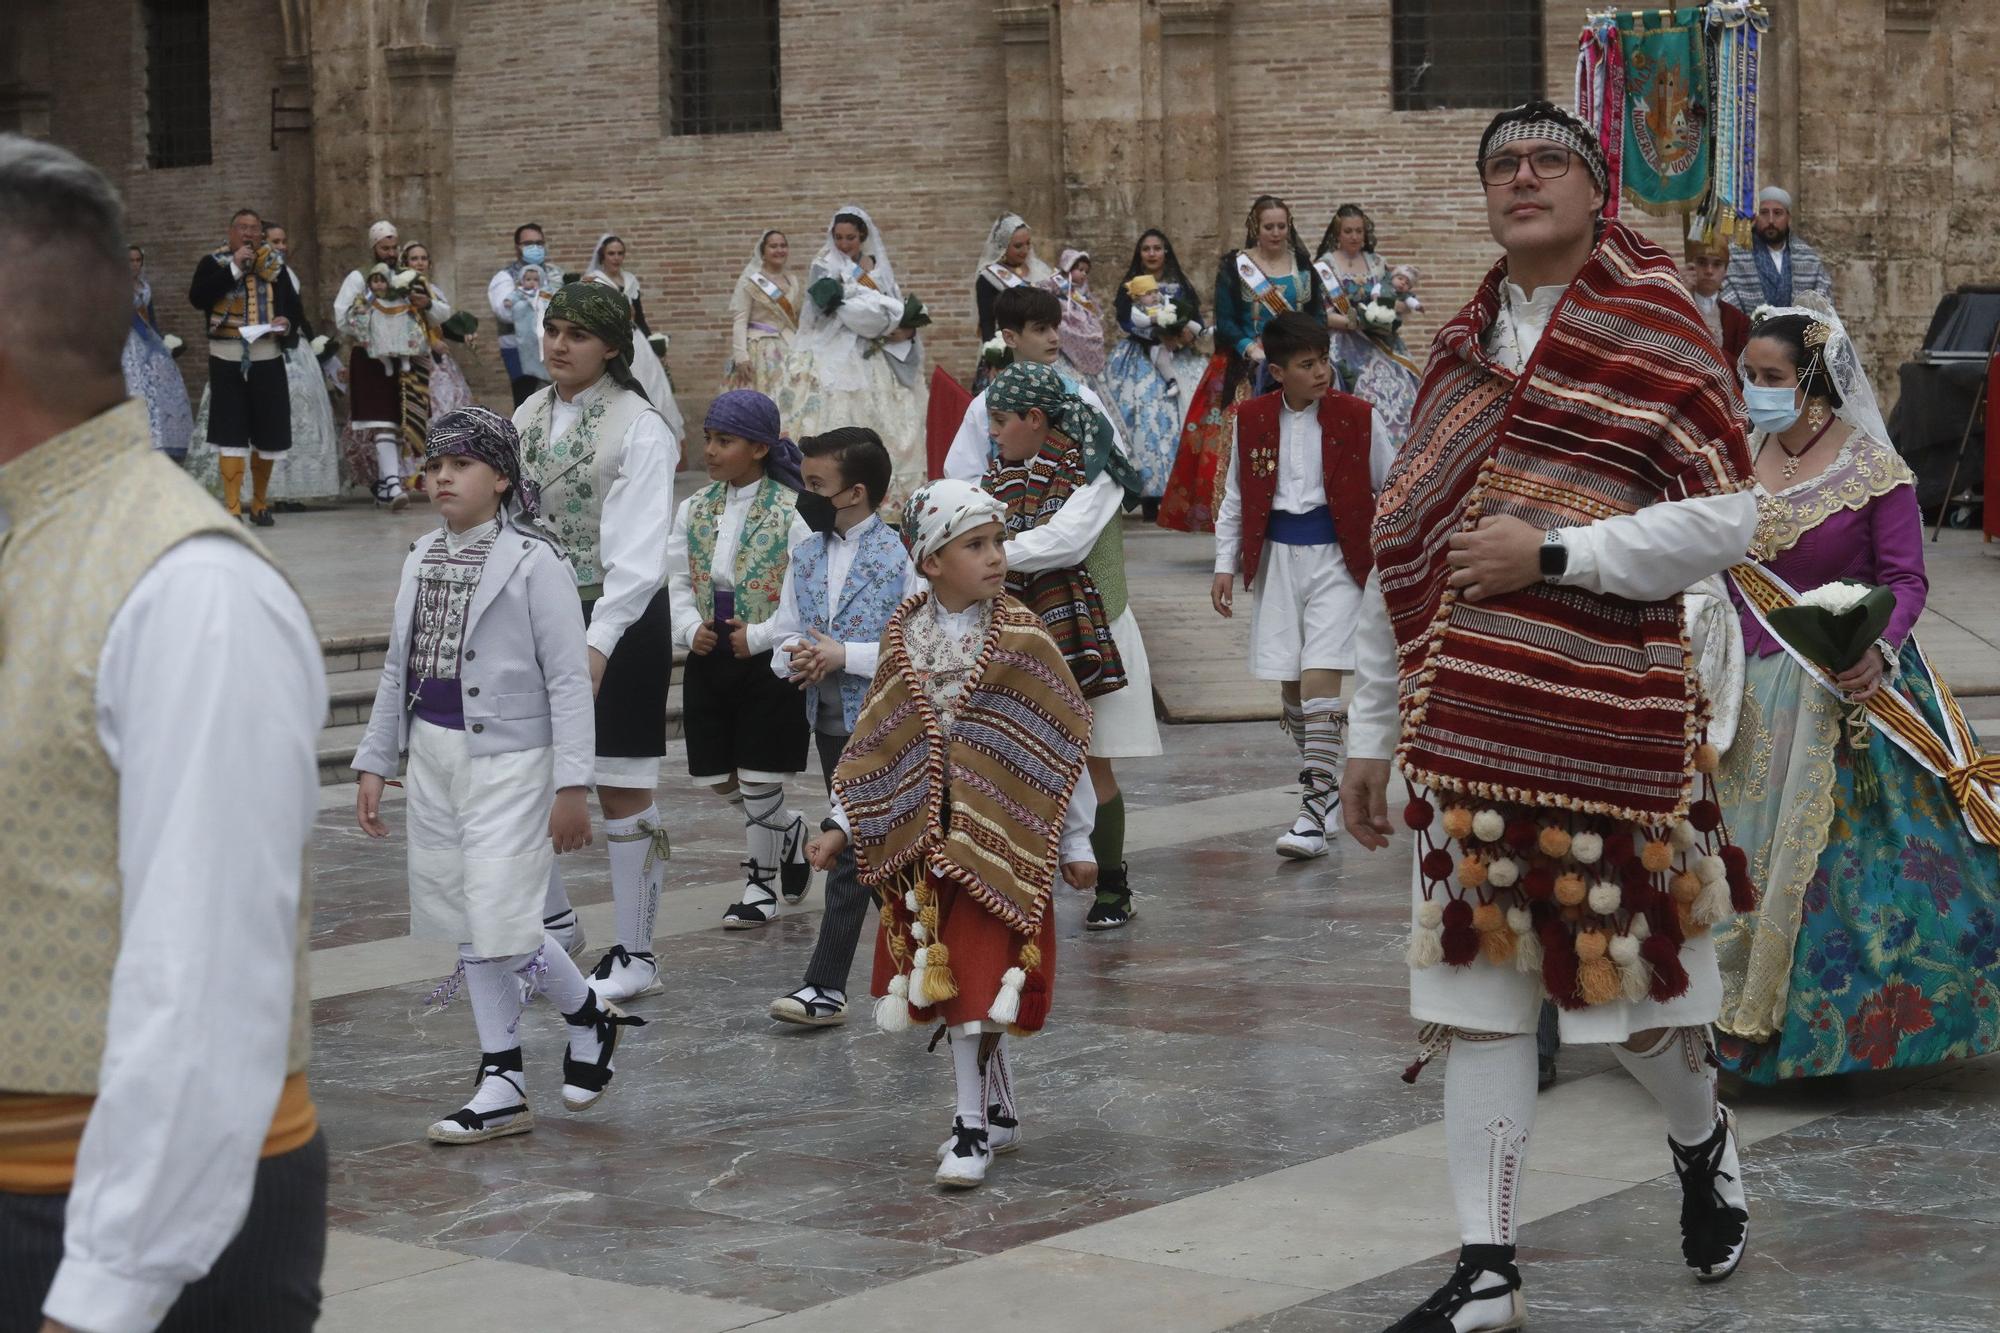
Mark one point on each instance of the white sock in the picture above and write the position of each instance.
(971, 1088)
(494, 986)
(1489, 1110)
(564, 985)
(1676, 1071)
(556, 901)
(1295, 726)
(764, 825)
(387, 462)
(635, 885)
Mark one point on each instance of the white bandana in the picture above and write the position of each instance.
(944, 510)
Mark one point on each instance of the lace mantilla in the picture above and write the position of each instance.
(1864, 469)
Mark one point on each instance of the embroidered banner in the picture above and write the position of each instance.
(1667, 107)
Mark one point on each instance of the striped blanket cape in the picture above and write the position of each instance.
(1555, 697)
(979, 800)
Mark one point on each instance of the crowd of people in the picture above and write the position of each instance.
(1558, 560)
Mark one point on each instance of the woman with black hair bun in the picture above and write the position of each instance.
(1154, 371)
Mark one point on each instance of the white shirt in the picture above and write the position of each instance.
(633, 527)
(1517, 330)
(722, 567)
(788, 629)
(210, 695)
(1301, 476)
(1779, 253)
(972, 446)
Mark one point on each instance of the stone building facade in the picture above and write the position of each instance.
(1093, 118)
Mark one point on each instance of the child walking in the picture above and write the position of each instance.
(486, 612)
(963, 791)
(726, 565)
(844, 583)
(1305, 462)
(1063, 476)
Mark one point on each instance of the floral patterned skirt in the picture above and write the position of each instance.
(1877, 941)
(1194, 486)
(764, 358)
(1150, 407)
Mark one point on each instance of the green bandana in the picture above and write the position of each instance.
(603, 311)
(1027, 384)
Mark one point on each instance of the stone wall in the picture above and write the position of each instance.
(1094, 118)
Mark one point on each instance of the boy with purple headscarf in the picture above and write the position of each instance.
(726, 563)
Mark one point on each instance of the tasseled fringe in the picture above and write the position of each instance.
(1527, 945)
(1035, 999)
(1634, 977)
(1433, 1040)
(1426, 947)
(939, 984)
(1711, 905)
(1496, 941)
(1007, 1004)
(917, 978)
(892, 1011)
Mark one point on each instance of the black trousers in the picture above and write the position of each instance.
(847, 899)
(249, 411)
(266, 1280)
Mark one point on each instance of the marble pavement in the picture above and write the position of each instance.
(1216, 1134)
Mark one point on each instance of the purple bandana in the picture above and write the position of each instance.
(474, 432)
(754, 417)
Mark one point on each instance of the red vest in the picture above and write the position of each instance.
(1344, 436)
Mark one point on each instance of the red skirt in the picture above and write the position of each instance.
(982, 948)
(1194, 487)
(373, 394)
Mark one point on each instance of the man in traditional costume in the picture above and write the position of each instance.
(160, 1160)
(1575, 462)
(1707, 269)
(1778, 266)
(253, 315)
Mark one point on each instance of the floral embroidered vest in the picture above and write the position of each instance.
(866, 601)
(761, 552)
(575, 471)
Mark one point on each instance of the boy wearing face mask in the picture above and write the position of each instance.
(843, 584)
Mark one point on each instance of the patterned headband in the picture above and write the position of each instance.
(943, 511)
(476, 433)
(1544, 120)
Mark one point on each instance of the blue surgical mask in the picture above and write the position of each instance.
(1772, 409)
(534, 254)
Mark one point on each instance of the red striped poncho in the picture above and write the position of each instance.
(1555, 697)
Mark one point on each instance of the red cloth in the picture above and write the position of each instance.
(1344, 448)
(1194, 487)
(949, 400)
(1735, 333)
(1556, 697)
(981, 947)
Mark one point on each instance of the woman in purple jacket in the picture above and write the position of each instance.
(1876, 942)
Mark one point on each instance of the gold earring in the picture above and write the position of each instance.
(1816, 415)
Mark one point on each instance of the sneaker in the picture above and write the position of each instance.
(795, 873)
(261, 518)
(621, 976)
(1113, 907)
(499, 1105)
(1003, 1134)
(965, 1159)
(1715, 1221)
(812, 1007)
(1483, 1296)
(568, 931)
(1304, 841)
(587, 1059)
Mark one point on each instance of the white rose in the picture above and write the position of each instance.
(1835, 597)
(173, 342)
(319, 345)
(996, 345)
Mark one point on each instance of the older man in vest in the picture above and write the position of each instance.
(160, 691)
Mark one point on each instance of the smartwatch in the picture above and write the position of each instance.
(1555, 556)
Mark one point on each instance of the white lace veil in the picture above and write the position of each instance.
(626, 283)
(1859, 407)
(836, 341)
(756, 264)
(997, 241)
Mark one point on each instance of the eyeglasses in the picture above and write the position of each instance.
(1547, 163)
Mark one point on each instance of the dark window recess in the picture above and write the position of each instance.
(1465, 53)
(719, 66)
(177, 83)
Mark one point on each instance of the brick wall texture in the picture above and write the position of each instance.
(461, 121)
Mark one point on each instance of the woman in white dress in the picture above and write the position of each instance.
(310, 469)
(1007, 260)
(449, 391)
(853, 364)
(763, 318)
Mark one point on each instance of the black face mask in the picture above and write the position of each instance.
(818, 512)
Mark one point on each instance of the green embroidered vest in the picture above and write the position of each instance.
(1106, 566)
(575, 471)
(762, 552)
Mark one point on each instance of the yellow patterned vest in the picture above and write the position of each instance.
(87, 513)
